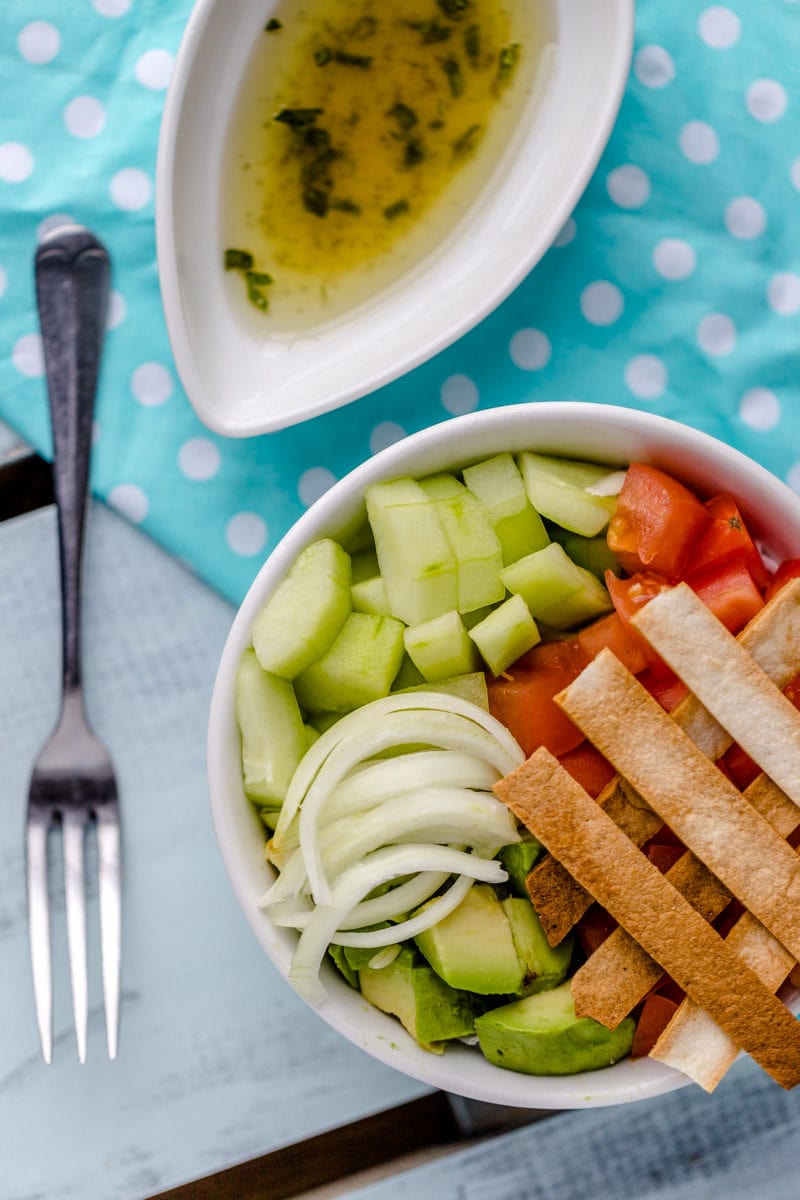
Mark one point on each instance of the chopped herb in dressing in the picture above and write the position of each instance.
(238, 260)
(392, 211)
(454, 9)
(507, 62)
(255, 281)
(273, 25)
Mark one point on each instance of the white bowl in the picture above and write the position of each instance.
(604, 433)
(242, 382)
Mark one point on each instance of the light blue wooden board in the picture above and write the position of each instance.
(219, 1061)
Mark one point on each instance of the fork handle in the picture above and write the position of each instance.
(72, 274)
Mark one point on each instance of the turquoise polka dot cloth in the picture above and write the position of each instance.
(674, 286)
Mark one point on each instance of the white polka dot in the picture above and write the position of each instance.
(199, 458)
(653, 67)
(3, 280)
(130, 188)
(601, 303)
(793, 477)
(27, 355)
(719, 27)
(151, 384)
(766, 100)
(52, 222)
(385, 434)
(745, 218)
(759, 408)
(459, 394)
(153, 69)
(716, 334)
(646, 376)
(794, 173)
(530, 349)
(130, 500)
(246, 534)
(698, 142)
(39, 42)
(314, 483)
(117, 310)
(783, 293)
(628, 186)
(84, 117)
(566, 233)
(111, 8)
(16, 162)
(673, 258)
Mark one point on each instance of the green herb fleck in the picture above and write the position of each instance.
(406, 117)
(454, 77)
(453, 9)
(339, 204)
(273, 25)
(472, 44)
(437, 123)
(238, 260)
(296, 118)
(415, 152)
(396, 210)
(362, 61)
(258, 278)
(364, 28)
(323, 56)
(465, 144)
(257, 297)
(507, 61)
(430, 31)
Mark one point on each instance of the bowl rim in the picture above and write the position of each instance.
(451, 1071)
(604, 114)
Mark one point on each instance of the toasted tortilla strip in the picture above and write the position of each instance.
(726, 680)
(597, 853)
(772, 639)
(689, 793)
(620, 973)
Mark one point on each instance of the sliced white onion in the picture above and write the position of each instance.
(401, 899)
(384, 958)
(436, 911)
(609, 485)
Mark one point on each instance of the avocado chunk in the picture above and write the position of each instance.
(431, 1011)
(518, 858)
(541, 1035)
(545, 965)
(473, 948)
(339, 960)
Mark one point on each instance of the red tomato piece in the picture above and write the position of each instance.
(663, 857)
(739, 767)
(726, 538)
(790, 569)
(612, 632)
(656, 522)
(657, 1012)
(523, 697)
(586, 764)
(730, 593)
(665, 687)
(667, 986)
(628, 596)
(594, 927)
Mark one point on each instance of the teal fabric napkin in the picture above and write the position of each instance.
(674, 287)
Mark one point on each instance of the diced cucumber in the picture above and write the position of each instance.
(408, 676)
(557, 490)
(441, 647)
(592, 553)
(322, 721)
(414, 553)
(557, 591)
(305, 612)
(312, 735)
(500, 490)
(475, 544)
(273, 736)
(359, 667)
(363, 565)
(507, 632)
(369, 596)
(470, 687)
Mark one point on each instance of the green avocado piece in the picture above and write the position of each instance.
(473, 948)
(545, 965)
(431, 1011)
(518, 858)
(541, 1035)
(339, 959)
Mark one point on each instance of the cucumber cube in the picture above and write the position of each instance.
(557, 591)
(592, 553)
(470, 687)
(507, 632)
(273, 735)
(557, 489)
(409, 676)
(359, 667)
(305, 612)
(500, 490)
(363, 565)
(475, 545)
(441, 648)
(369, 596)
(414, 554)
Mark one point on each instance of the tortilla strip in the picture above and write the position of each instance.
(727, 682)
(558, 811)
(619, 973)
(772, 639)
(689, 793)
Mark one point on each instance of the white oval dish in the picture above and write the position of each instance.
(605, 434)
(243, 383)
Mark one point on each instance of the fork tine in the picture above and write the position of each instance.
(108, 852)
(74, 823)
(39, 928)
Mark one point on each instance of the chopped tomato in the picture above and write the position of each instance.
(790, 569)
(594, 927)
(726, 538)
(665, 687)
(730, 593)
(667, 986)
(792, 692)
(655, 523)
(586, 764)
(657, 1012)
(612, 632)
(739, 767)
(663, 857)
(666, 837)
(523, 697)
(628, 596)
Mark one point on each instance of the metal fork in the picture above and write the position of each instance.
(72, 784)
